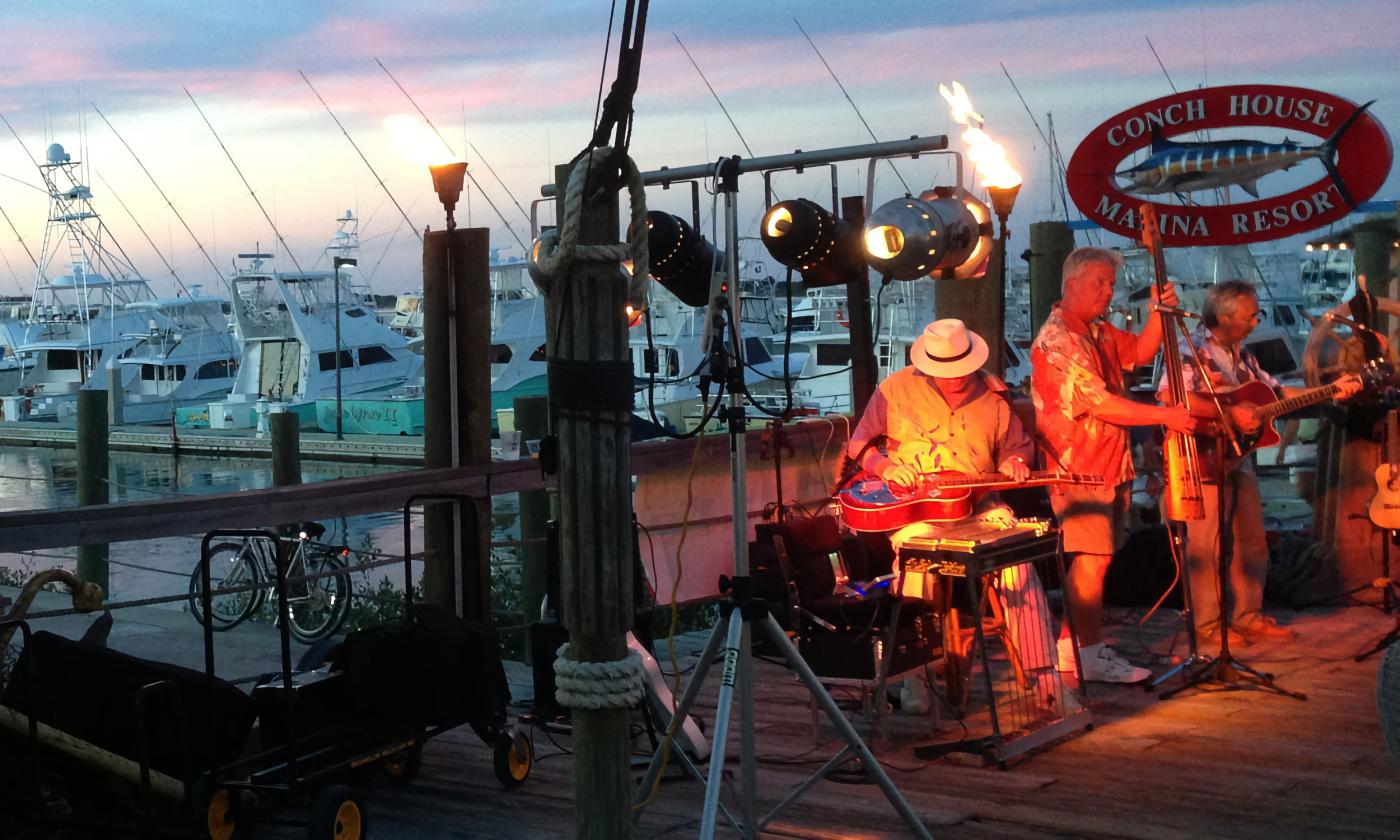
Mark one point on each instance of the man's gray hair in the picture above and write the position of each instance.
(1080, 257)
(1225, 296)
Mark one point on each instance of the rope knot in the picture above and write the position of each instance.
(556, 255)
(598, 685)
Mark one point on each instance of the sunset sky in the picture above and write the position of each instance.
(520, 79)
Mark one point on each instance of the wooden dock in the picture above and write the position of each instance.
(1213, 763)
(233, 443)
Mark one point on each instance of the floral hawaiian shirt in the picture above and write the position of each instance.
(1074, 367)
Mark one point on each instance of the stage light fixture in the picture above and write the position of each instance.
(939, 234)
(803, 235)
(681, 259)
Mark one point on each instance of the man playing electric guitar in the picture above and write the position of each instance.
(942, 413)
(1231, 311)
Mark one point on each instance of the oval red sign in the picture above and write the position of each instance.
(1354, 152)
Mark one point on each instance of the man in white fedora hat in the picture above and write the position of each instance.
(942, 413)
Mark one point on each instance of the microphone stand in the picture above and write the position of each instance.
(1225, 669)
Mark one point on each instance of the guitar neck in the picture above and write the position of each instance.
(1303, 400)
(1036, 479)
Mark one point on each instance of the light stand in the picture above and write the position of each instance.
(1225, 669)
(740, 610)
(338, 262)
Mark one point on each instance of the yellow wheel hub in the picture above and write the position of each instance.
(220, 826)
(347, 821)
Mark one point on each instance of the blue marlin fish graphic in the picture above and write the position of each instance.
(1182, 167)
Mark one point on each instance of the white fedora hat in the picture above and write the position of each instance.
(948, 349)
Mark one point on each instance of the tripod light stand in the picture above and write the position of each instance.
(740, 611)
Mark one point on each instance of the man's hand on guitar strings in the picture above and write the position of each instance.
(1348, 386)
(1245, 418)
(1015, 468)
(901, 476)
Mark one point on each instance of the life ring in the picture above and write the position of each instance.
(841, 318)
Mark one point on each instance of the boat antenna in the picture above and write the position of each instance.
(18, 238)
(368, 166)
(251, 193)
(168, 203)
(718, 101)
(852, 102)
(479, 157)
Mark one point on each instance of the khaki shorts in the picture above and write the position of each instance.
(1091, 516)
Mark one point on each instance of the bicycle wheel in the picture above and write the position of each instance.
(231, 565)
(318, 607)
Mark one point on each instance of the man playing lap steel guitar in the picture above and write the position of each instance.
(942, 413)
(1231, 311)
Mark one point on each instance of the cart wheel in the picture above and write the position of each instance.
(336, 814)
(213, 810)
(513, 758)
(403, 766)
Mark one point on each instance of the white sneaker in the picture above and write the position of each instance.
(914, 696)
(1103, 664)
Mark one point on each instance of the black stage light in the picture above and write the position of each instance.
(937, 234)
(681, 259)
(803, 235)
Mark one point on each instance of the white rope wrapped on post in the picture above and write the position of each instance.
(597, 685)
(556, 255)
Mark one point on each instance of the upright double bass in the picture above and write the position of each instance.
(1185, 500)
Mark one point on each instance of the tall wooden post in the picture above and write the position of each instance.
(590, 391)
(865, 369)
(115, 394)
(1373, 240)
(980, 303)
(92, 478)
(1051, 243)
(284, 430)
(532, 422)
(457, 414)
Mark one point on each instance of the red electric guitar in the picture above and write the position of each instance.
(873, 505)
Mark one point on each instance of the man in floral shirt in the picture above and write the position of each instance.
(1083, 415)
(1230, 312)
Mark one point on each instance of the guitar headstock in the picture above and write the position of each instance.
(1151, 227)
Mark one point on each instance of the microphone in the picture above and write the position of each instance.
(1174, 310)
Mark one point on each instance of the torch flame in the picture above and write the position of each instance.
(415, 142)
(988, 156)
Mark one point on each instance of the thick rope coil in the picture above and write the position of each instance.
(556, 256)
(597, 685)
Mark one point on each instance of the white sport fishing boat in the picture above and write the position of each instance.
(285, 323)
(98, 324)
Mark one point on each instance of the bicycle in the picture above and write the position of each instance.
(241, 574)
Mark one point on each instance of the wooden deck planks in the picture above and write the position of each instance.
(1227, 764)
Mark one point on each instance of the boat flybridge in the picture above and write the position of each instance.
(285, 323)
(84, 326)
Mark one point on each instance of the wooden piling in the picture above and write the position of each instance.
(115, 394)
(590, 395)
(1374, 239)
(92, 478)
(532, 422)
(865, 369)
(457, 413)
(1051, 243)
(284, 432)
(980, 303)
